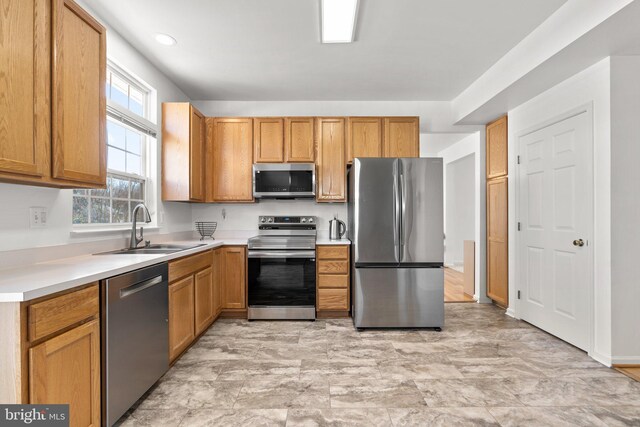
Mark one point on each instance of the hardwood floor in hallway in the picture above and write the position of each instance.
(454, 287)
(483, 369)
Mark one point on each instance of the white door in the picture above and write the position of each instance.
(555, 212)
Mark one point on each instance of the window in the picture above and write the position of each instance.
(128, 136)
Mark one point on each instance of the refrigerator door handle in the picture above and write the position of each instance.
(396, 211)
(403, 208)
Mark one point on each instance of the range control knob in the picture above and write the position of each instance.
(303, 220)
(263, 219)
(270, 219)
(310, 219)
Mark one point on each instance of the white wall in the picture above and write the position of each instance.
(435, 116)
(16, 199)
(625, 209)
(460, 178)
(472, 145)
(245, 216)
(589, 86)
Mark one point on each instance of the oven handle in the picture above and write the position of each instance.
(281, 254)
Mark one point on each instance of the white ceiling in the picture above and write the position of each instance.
(270, 49)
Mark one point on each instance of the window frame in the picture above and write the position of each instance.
(129, 119)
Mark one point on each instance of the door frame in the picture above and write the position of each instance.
(592, 244)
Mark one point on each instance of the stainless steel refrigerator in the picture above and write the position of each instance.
(395, 214)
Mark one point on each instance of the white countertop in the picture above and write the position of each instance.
(37, 280)
(327, 241)
(46, 278)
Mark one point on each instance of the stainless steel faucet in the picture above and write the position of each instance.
(135, 240)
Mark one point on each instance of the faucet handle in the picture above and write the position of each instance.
(147, 243)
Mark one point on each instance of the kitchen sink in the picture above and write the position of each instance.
(158, 249)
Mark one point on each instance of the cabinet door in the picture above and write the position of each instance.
(78, 95)
(497, 148)
(401, 137)
(204, 300)
(24, 78)
(66, 369)
(331, 159)
(299, 146)
(268, 140)
(235, 277)
(232, 160)
(217, 281)
(364, 137)
(196, 156)
(181, 316)
(497, 241)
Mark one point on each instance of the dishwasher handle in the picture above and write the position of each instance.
(140, 286)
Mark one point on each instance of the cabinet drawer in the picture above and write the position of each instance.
(333, 281)
(57, 313)
(333, 252)
(189, 265)
(333, 299)
(333, 267)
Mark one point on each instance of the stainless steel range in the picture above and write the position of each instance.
(282, 268)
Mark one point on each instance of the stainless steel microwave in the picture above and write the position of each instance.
(284, 180)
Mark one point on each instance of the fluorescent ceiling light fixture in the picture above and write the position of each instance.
(338, 20)
(165, 39)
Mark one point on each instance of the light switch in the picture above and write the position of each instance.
(37, 217)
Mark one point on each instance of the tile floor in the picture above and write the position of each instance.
(484, 368)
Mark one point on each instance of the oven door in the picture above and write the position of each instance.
(282, 284)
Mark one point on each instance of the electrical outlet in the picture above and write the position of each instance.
(37, 217)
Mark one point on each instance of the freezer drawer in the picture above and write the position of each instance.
(398, 298)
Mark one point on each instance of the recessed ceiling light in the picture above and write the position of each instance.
(338, 20)
(165, 39)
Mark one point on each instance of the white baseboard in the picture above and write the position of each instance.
(625, 360)
(604, 359)
(511, 313)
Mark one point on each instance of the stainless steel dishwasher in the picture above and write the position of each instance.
(135, 337)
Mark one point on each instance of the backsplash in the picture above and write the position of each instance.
(244, 216)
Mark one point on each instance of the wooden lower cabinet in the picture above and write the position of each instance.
(66, 369)
(497, 241)
(204, 311)
(332, 281)
(217, 281)
(235, 277)
(181, 316)
(50, 352)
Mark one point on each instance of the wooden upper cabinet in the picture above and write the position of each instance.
(24, 78)
(234, 259)
(331, 161)
(183, 152)
(268, 140)
(299, 144)
(364, 137)
(78, 95)
(232, 160)
(497, 148)
(66, 369)
(53, 105)
(497, 241)
(197, 159)
(401, 137)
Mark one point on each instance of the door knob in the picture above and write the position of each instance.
(578, 242)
